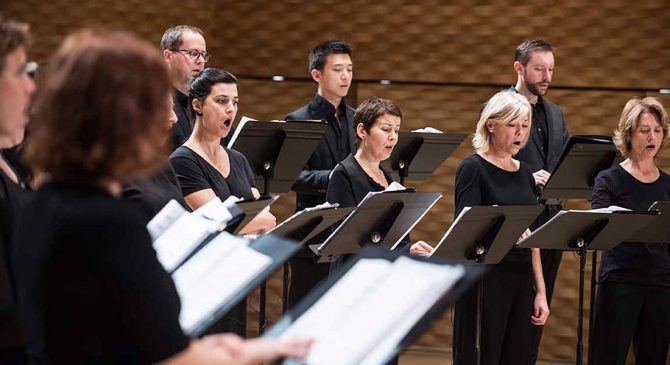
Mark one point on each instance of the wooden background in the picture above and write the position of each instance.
(450, 58)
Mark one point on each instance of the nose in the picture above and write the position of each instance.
(548, 74)
(29, 84)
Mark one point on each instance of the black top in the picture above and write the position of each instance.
(12, 198)
(540, 123)
(481, 183)
(349, 183)
(90, 287)
(629, 262)
(195, 173)
(154, 192)
(184, 126)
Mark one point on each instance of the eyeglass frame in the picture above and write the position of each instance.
(204, 54)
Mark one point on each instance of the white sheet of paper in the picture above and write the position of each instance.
(165, 218)
(214, 210)
(181, 238)
(213, 275)
(451, 228)
(371, 308)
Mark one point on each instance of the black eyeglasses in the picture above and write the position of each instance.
(194, 53)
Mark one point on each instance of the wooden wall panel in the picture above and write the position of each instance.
(602, 46)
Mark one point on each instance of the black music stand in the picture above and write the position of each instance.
(381, 219)
(277, 152)
(304, 225)
(445, 301)
(661, 225)
(484, 234)
(418, 154)
(582, 159)
(583, 231)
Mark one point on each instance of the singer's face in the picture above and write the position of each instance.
(646, 137)
(382, 137)
(335, 79)
(16, 87)
(508, 138)
(537, 74)
(182, 67)
(220, 109)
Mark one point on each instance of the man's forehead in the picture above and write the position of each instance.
(541, 57)
(192, 39)
(341, 59)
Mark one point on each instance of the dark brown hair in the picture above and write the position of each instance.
(12, 36)
(527, 47)
(371, 109)
(97, 116)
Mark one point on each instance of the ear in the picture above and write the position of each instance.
(316, 75)
(167, 55)
(360, 131)
(489, 125)
(518, 67)
(197, 106)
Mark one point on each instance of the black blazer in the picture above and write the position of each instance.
(312, 182)
(533, 155)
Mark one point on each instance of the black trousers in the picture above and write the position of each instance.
(305, 275)
(628, 313)
(551, 261)
(506, 337)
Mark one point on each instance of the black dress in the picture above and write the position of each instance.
(633, 298)
(91, 289)
(12, 198)
(151, 194)
(508, 286)
(195, 174)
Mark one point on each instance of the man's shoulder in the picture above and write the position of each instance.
(301, 113)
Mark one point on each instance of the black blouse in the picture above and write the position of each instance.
(630, 262)
(151, 194)
(91, 289)
(12, 198)
(349, 183)
(195, 174)
(481, 183)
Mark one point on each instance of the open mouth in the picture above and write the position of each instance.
(227, 123)
(517, 143)
(650, 147)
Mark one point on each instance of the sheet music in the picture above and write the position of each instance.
(427, 130)
(215, 210)
(181, 238)
(213, 275)
(395, 245)
(371, 308)
(165, 218)
(451, 228)
(394, 186)
(241, 124)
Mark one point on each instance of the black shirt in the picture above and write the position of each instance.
(90, 287)
(195, 174)
(348, 188)
(154, 192)
(337, 125)
(481, 183)
(629, 262)
(540, 123)
(12, 198)
(184, 111)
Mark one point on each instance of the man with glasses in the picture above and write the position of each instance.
(185, 54)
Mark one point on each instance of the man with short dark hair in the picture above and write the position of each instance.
(534, 66)
(185, 53)
(331, 68)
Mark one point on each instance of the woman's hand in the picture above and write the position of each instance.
(263, 222)
(420, 248)
(258, 350)
(540, 310)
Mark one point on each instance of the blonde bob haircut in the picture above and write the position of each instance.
(504, 107)
(631, 115)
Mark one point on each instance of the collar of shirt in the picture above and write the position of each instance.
(328, 109)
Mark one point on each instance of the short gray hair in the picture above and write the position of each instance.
(503, 107)
(172, 37)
